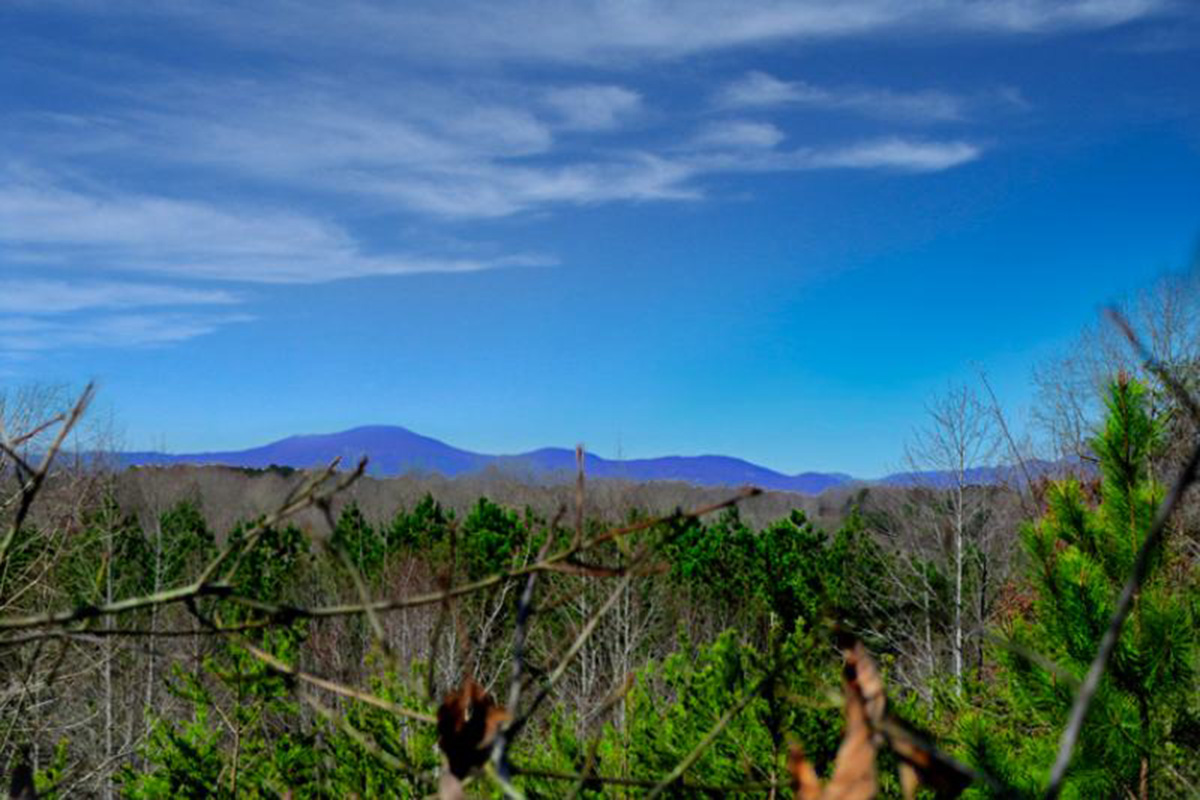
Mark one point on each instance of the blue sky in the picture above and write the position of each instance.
(767, 229)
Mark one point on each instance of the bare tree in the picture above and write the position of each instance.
(949, 455)
(1166, 318)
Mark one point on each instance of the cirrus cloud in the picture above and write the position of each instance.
(581, 31)
(132, 232)
(759, 90)
(40, 296)
(593, 107)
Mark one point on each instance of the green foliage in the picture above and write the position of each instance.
(184, 760)
(362, 544)
(247, 737)
(420, 530)
(234, 744)
(490, 539)
(267, 570)
(352, 769)
(186, 544)
(676, 702)
(109, 548)
(52, 779)
(1079, 557)
(791, 568)
(246, 731)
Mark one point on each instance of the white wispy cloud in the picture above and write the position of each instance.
(22, 336)
(759, 90)
(889, 154)
(1027, 16)
(41, 296)
(738, 134)
(436, 154)
(585, 31)
(133, 232)
(895, 154)
(593, 107)
(490, 190)
(288, 129)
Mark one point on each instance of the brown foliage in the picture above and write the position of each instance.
(468, 721)
(869, 726)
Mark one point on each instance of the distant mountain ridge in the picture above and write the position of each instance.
(393, 450)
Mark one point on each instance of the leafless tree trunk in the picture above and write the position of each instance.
(109, 643)
(959, 438)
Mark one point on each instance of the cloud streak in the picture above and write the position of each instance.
(439, 156)
(760, 90)
(579, 31)
(39, 296)
(888, 154)
(131, 232)
(738, 134)
(594, 107)
(25, 336)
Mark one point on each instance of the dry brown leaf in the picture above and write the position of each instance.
(854, 772)
(868, 727)
(468, 721)
(921, 764)
(805, 782)
(909, 782)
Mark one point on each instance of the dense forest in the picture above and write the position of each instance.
(1032, 637)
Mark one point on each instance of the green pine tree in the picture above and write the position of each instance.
(1080, 554)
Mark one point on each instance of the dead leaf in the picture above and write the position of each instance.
(854, 771)
(861, 673)
(909, 782)
(468, 721)
(804, 777)
(868, 727)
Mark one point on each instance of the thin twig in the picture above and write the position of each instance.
(276, 665)
(516, 681)
(30, 490)
(1012, 444)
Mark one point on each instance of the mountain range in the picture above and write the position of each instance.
(393, 450)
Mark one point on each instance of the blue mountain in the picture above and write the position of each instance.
(393, 450)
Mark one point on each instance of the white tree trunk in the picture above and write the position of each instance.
(106, 775)
(958, 580)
